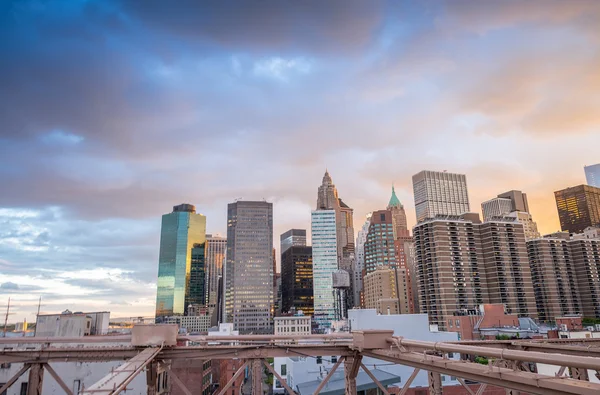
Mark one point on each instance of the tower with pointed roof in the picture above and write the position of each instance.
(398, 216)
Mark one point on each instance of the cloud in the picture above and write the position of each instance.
(112, 112)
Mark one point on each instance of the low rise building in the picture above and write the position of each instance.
(68, 324)
(191, 323)
(381, 290)
(293, 325)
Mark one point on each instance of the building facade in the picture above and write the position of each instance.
(293, 237)
(554, 277)
(215, 252)
(578, 208)
(592, 175)
(297, 280)
(511, 204)
(249, 266)
(191, 323)
(495, 207)
(297, 325)
(196, 290)
(359, 265)
(379, 246)
(180, 231)
(440, 193)
(328, 199)
(462, 263)
(381, 291)
(506, 266)
(325, 263)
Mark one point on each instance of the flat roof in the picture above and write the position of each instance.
(337, 386)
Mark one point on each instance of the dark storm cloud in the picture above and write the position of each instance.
(327, 27)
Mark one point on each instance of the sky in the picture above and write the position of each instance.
(112, 112)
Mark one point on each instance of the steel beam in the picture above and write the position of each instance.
(36, 379)
(372, 376)
(513, 355)
(580, 374)
(237, 374)
(435, 383)
(331, 372)
(501, 377)
(14, 378)
(117, 380)
(281, 379)
(409, 382)
(351, 367)
(178, 381)
(256, 377)
(58, 380)
(151, 377)
(465, 386)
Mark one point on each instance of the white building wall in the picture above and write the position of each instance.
(87, 373)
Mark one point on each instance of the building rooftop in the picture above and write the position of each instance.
(336, 385)
(394, 201)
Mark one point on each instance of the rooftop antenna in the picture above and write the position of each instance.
(238, 199)
(6, 317)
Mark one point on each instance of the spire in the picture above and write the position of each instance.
(394, 201)
(327, 178)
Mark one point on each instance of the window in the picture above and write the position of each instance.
(23, 389)
(76, 386)
(319, 360)
(333, 359)
(283, 369)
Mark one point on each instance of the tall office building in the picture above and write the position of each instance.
(297, 280)
(180, 231)
(592, 175)
(328, 199)
(440, 193)
(293, 237)
(511, 204)
(325, 263)
(379, 247)
(578, 207)
(495, 207)
(249, 266)
(215, 251)
(586, 260)
(359, 264)
(462, 263)
(196, 291)
(396, 209)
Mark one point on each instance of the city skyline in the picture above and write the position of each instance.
(112, 115)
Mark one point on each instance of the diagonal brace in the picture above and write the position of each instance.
(57, 378)
(281, 380)
(331, 372)
(15, 378)
(381, 387)
(235, 377)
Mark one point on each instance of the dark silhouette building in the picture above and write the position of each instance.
(297, 280)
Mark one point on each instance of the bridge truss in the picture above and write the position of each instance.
(509, 366)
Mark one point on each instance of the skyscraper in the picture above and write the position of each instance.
(396, 209)
(592, 175)
(440, 193)
(180, 231)
(325, 263)
(379, 247)
(359, 264)
(578, 207)
(512, 204)
(249, 266)
(297, 280)
(215, 251)
(328, 199)
(196, 290)
(293, 237)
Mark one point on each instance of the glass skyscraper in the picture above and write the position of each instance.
(249, 267)
(216, 248)
(325, 262)
(180, 231)
(592, 175)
